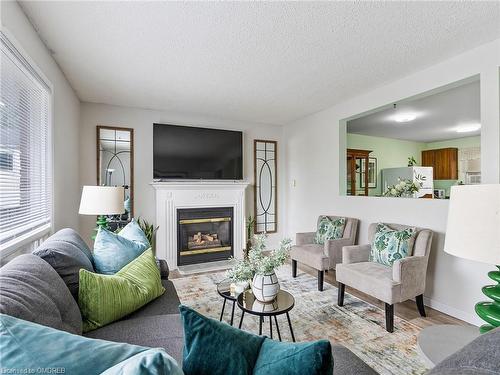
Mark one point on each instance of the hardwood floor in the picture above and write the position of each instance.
(406, 310)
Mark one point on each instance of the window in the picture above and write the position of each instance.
(25, 156)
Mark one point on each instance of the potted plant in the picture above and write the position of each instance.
(250, 228)
(149, 230)
(260, 267)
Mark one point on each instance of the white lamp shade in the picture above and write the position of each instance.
(102, 200)
(473, 229)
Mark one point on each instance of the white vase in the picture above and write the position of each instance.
(265, 287)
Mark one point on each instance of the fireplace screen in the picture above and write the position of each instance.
(204, 235)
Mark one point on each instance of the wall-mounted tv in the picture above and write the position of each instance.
(185, 152)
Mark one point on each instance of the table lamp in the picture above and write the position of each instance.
(102, 201)
(473, 232)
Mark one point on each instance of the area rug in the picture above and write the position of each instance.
(357, 325)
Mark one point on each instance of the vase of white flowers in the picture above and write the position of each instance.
(265, 285)
(405, 188)
(259, 268)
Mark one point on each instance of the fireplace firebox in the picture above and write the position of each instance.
(204, 234)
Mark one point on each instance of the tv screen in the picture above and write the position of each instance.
(184, 152)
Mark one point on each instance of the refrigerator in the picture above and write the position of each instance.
(391, 176)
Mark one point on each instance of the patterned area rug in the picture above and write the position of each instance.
(357, 325)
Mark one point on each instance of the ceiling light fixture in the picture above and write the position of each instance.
(467, 128)
(405, 117)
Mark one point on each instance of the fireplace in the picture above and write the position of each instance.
(204, 234)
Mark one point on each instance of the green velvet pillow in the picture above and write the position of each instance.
(215, 348)
(390, 245)
(289, 358)
(106, 298)
(329, 229)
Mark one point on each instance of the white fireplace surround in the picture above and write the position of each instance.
(173, 195)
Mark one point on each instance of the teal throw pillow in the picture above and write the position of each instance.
(132, 231)
(215, 348)
(390, 245)
(29, 348)
(114, 251)
(288, 358)
(329, 229)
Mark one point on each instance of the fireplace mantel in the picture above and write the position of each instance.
(173, 195)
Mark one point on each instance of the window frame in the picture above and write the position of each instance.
(16, 244)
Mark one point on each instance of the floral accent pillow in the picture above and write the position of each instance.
(390, 245)
(329, 229)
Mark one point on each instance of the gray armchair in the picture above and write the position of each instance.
(403, 281)
(322, 257)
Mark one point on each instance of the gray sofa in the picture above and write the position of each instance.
(34, 290)
(41, 288)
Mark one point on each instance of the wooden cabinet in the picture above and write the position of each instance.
(444, 161)
(354, 173)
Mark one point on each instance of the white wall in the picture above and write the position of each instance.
(313, 153)
(141, 120)
(66, 112)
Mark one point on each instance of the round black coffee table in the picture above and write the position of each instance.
(224, 290)
(282, 304)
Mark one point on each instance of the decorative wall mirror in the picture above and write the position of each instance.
(115, 166)
(416, 147)
(265, 199)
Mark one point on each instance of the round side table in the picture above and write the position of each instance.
(282, 304)
(224, 290)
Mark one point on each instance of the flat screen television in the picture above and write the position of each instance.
(185, 152)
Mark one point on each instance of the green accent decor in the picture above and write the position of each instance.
(102, 222)
(490, 311)
(105, 298)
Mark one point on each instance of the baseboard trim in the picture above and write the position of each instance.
(459, 314)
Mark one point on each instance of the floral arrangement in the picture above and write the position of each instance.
(404, 188)
(259, 263)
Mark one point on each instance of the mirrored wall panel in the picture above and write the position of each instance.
(115, 165)
(266, 218)
(417, 147)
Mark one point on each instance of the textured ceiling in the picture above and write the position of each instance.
(438, 116)
(267, 62)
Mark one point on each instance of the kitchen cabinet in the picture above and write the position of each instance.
(444, 161)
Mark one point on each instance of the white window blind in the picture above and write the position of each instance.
(25, 181)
